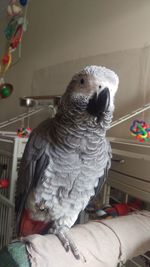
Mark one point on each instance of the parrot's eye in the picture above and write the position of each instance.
(82, 81)
(100, 86)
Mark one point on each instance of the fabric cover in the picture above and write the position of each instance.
(14, 255)
(102, 244)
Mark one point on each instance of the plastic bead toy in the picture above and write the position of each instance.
(24, 132)
(16, 39)
(11, 28)
(6, 90)
(23, 2)
(141, 130)
(6, 61)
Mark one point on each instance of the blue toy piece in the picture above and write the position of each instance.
(23, 2)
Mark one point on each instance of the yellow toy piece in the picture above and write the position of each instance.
(6, 62)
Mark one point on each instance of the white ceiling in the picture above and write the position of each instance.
(3, 5)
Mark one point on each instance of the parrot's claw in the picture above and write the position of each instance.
(73, 246)
(63, 240)
(66, 241)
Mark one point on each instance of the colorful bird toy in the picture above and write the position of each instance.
(141, 130)
(24, 132)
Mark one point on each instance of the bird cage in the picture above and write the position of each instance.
(129, 179)
(11, 150)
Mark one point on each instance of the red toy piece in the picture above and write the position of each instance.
(122, 209)
(4, 183)
(5, 59)
(16, 39)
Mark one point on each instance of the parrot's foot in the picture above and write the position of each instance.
(66, 241)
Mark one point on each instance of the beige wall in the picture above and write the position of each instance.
(63, 32)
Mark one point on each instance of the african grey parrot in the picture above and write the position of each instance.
(66, 157)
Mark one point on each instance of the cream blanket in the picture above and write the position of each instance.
(102, 244)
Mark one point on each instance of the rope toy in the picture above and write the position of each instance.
(14, 9)
(24, 132)
(141, 130)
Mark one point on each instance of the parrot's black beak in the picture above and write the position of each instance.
(98, 104)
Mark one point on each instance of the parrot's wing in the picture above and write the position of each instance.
(104, 177)
(33, 164)
(101, 182)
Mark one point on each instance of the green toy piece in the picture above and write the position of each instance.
(5, 90)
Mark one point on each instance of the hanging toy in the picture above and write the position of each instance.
(13, 33)
(6, 90)
(141, 130)
(13, 8)
(24, 132)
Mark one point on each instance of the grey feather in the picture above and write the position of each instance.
(33, 164)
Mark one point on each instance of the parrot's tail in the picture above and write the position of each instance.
(29, 226)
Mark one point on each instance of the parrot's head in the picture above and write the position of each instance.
(91, 92)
